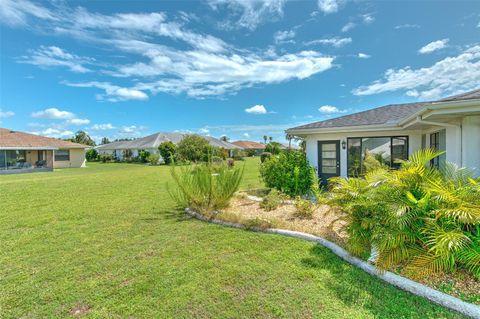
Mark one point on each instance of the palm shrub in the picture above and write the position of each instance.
(419, 216)
(204, 188)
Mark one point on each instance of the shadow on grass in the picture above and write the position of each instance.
(356, 288)
(175, 214)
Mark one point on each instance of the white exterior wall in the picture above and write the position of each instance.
(471, 143)
(414, 144)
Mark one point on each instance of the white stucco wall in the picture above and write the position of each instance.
(77, 159)
(414, 143)
(471, 143)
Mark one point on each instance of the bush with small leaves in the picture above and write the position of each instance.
(271, 201)
(305, 208)
(265, 156)
(260, 223)
(154, 159)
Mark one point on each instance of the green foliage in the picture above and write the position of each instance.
(143, 156)
(91, 155)
(153, 159)
(104, 140)
(257, 222)
(82, 138)
(289, 172)
(194, 148)
(105, 158)
(274, 148)
(168, 151)
(265, 156)
(305, 208)
(238, 155)
(251, 152)
(272, 201)
(205, 188)
(425, 218)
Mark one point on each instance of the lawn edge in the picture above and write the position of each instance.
(418, 289)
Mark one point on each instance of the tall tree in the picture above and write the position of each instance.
(105, 140)
(265, 138)
(83, 138)
(224, 138)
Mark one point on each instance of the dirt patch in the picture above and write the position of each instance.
(80, 310)
(326, 222)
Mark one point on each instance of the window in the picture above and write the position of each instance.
(437, 142)
(15, 159)
(386, 150)
(62, 155)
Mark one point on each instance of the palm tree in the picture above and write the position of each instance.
(270, 139)
(265, 139)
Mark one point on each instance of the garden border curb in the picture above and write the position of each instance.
(440, 298)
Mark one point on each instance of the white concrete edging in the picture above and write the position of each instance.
(440, 298)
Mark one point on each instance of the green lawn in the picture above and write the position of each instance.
(107, 241)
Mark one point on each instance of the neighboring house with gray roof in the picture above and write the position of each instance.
(151, 143)
(337, 147)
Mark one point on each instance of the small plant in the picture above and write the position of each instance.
(106, 158)
(205, 188)
(153, 159)
(216, 160)
(143, 156)
(271, 201)
(305, 208)
(167, 151)
(265, 156)
(258, 223)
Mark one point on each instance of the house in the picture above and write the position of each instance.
(122, 149)
(23, 152)
(337, 147)
(249, 146)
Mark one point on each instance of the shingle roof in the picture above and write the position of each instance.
(249, 145)
(388, 114)
(154, 140)
(471, 95)
(381, 115)
(14, 139)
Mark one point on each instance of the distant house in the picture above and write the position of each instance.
(337, 147)
(151, 143)
(23, 152)
(249, 145)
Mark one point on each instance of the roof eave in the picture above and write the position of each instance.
(343, 129)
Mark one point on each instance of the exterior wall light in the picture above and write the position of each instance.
(344, 145)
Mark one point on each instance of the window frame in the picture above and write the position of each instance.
(404, 137)
(62, 157)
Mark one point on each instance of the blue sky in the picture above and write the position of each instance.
(241, 68)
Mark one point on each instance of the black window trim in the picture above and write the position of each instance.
(406, 137)
(62, 158)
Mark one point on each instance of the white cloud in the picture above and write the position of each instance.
(335, 42)
(349, 26)
(53, 56)
(433, 46)
(330, 6)
(368, 18)
(102, 127)
(53, 132)
(16, 12)
(131, 131)
(448, 76)
(5, 114)
(204, 66)
(204, 130)
(407, 26)
(77, 121)
(329, 109)
(284, 36)
(249, 13)
(256, 109)
(53, 114)
(364, 56)
(113, 93)
(246, 135)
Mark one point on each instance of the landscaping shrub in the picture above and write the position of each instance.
(153, 159)
(91, 155)
(194, 148)
(257, 222)
(290, 173)
(272, 201)
(167, 151)
(217, 160)
(251, 152)
(418, 216)
(305, 208)
(205, 188)
(238, 155)
(106, 158)
(264, 156)
(143, 156)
